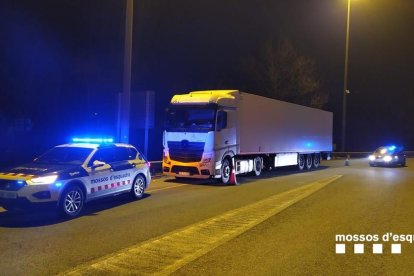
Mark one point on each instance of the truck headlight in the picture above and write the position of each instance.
(387, 158)
(371, 157)
(44, 179)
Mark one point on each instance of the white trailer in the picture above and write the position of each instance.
(206, 130)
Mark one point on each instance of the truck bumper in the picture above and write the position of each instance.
(190, 170)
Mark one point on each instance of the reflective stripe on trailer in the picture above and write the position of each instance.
(110, 186)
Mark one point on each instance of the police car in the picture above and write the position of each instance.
(388, 156)
(68, 176)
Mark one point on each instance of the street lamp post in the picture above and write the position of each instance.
(125, 97)
(345, 91)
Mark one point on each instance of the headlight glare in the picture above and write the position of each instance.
(371, 157)
(387, 158)
(44, 179)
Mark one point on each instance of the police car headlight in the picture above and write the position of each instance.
(44, 179)
(387, 158)
(371, 157)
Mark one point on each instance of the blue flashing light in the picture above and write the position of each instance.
(309, 144)
(93, 140)
(58, 184)
(391, 148)
(20, 182)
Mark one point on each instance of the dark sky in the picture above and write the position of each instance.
(61, 61)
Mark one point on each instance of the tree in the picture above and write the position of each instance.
(280, 72)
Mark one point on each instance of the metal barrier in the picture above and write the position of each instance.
(361, 154)
(156, 166)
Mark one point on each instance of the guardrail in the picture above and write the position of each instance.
(361, 154)
(156, 166)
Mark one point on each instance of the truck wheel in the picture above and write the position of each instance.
(308, 161)
(257, 163)
(138, 187)
(225, 171)
(301, 162)
(316, 160)
(71, 201)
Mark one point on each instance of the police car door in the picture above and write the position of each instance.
(101, 172)
(123, 170)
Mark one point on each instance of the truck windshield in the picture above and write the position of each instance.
(190, 119)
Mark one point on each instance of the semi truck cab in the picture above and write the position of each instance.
(200, 128)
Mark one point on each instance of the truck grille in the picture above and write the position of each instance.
(185, 169)
(185, 151)
(11, 185)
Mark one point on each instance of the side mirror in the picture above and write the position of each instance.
(97, 164)
(221, 120)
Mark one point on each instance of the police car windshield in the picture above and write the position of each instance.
(190, 118)
(64, 155)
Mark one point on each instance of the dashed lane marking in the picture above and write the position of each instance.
(167, 253)
(165, 188)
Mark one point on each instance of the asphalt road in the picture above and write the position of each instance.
(283, 222)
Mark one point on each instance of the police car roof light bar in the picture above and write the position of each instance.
(92, 140)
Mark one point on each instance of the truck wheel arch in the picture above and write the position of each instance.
(228, 154)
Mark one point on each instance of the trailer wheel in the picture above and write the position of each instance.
(257, 163)
(316, 160)
(225, 171)
(308, 161)
(301, 162)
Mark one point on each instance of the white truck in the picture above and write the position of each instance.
(206, 132)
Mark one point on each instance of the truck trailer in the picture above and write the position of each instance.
(207, 133)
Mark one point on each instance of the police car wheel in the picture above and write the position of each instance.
(138, 187)
(71, 202)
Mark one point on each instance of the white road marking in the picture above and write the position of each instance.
(165, 188)
(167, 253)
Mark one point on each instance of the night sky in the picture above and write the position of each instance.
(62, 61)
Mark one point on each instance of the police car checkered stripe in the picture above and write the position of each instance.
(16, 175)
(110, 186)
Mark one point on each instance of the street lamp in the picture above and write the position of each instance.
(345, 91)
(125, 97)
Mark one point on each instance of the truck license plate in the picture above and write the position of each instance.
(184, 173)
(8, 195)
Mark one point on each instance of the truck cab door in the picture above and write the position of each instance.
(225, 134)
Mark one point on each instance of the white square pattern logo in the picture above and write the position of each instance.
(340, 248)
(377, 248)
(396, 248)
(359, 248)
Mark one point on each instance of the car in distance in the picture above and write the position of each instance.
(69, 175)
(387, 156)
